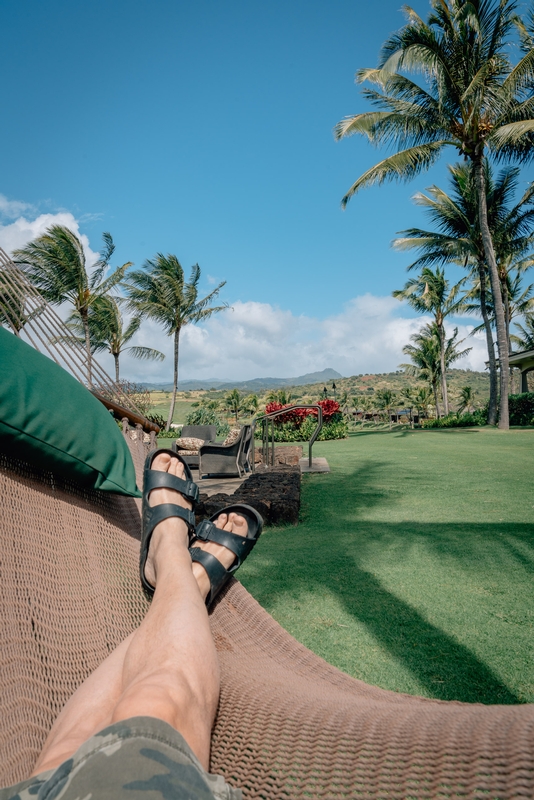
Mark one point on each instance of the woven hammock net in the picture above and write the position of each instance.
(289, 725)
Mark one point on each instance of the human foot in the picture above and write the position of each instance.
(221, 545)
(168, 497)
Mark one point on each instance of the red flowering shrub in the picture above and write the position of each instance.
(329, 407)
(298, 415)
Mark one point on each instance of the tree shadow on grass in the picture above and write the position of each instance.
(334, 555)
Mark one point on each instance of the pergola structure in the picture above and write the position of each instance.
(523, 361)
(24, 310)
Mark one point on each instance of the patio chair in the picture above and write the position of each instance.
(222, 459)
(206, 432)
(246, 449)
(289, 725)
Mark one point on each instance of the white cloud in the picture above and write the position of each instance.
(258, 340)
(11, 209)
(16, 234)
(253, 340)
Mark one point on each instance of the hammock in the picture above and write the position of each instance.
(289, 725)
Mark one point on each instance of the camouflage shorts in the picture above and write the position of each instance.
(139, 755)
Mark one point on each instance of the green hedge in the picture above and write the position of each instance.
(479, 417)
(336, 428)
(521, 408)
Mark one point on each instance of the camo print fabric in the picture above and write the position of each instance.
(140, 758)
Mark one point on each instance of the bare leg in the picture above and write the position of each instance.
(168, 667)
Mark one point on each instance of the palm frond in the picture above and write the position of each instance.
(400, 166)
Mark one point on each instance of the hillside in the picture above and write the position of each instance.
(253, 385)
(356, 386)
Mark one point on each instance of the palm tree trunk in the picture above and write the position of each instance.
(175, 383)
(492, 411)
(444, 392)
(507, 320)
(436, 402)
(85, 323)
(116, 357)
(489, 252)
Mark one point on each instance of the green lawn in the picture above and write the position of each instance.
(161, 402)
(413, 565)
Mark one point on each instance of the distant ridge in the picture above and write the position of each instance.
(254, 385)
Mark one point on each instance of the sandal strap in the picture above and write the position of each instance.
(156, 479)
(157, 514)
(217, 573)
(239, 545)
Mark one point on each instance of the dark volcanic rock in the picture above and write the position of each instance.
(274, 493)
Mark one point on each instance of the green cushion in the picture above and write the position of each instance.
(48, 419)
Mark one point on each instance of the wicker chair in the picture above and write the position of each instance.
(206, 432)
(289, 725)
(223, 459)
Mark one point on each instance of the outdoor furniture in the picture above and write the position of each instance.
(288, 725)
(246, 449)
(206, 432)
(223, 459)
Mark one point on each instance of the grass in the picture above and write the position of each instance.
(413, 564)
(160, 404)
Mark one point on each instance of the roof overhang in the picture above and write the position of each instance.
(523, 361)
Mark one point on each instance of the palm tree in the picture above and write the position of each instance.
(366, 405)
(107, 332)
(55, 263)
(233, 403)
(458, 240)
(421, 400)
(14, 310)
(425, 354)
(472, 98)
(429, 292)
(525, 340)
(251, 404)
(386, 400)
(282, 396)
(159, 291)
(467, 397)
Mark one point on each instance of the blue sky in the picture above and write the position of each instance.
(205, 129)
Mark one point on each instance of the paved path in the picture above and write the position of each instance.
(211, 486)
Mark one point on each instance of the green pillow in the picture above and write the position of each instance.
(48, 419)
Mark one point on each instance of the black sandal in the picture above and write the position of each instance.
(239, 545)
(152, 515)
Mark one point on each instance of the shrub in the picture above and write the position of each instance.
(206, 416)
(157, 419)
(456, 421)
(335, 428)
(521, 408)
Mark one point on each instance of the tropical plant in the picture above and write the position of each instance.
(418, 398)
(467, 398)
(421, 400)
(525, 339)
(282, 396)
(207, 402)
(457, 239)
(107, 332)
(429, 293)
(250, 404)
(207, 416)
(472, 98)
(385, 400)
(159, 291)
(55, 263)
(425, 354)
(232, 403)
(14, 309)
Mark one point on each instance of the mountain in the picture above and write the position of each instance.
(254, 385)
